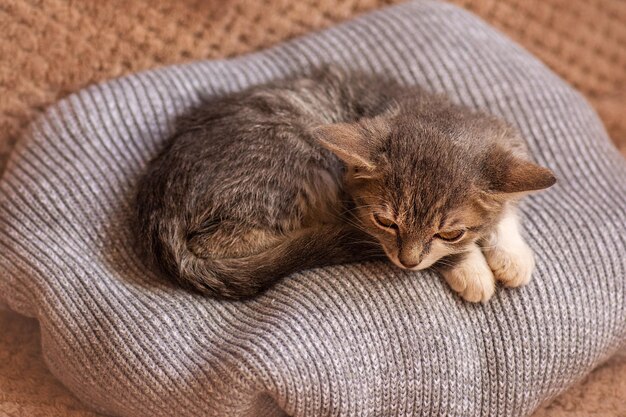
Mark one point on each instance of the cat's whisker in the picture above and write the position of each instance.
(445, 263)
(488, 246)
(353, 209)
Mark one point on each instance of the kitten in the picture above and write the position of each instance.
(332, 168)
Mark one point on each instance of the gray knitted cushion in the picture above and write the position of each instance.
(358, 340)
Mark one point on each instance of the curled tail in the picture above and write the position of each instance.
(243, 277)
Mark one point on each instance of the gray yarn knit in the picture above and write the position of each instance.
(359, 340)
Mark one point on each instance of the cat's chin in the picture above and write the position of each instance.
(419, 267)
(425, 264)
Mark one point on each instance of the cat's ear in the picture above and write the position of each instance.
(511, 174)
(348, 142)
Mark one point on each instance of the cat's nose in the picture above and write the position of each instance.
(408, 265)
(407, 257)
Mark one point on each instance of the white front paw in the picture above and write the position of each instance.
(511, 265)
(472, 279)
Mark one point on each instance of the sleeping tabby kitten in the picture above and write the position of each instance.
(337, 167)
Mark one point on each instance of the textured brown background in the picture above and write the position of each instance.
(50, 48)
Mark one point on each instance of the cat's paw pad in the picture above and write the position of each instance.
(513, 267)
(473, 281)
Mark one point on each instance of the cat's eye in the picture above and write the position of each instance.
(385, 222)
(451, 236)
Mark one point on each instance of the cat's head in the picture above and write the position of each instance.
(424, 191)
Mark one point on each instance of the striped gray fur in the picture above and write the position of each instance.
(363, 340)
(297, 174)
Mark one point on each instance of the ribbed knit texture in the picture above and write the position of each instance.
(358, 340)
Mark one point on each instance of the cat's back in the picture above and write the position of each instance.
(270, 126)
(254, 150)
(261, 132)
